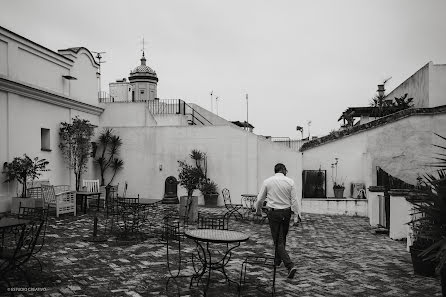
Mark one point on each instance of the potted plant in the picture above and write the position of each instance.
(209, 189)
(429, 221)
(338, 188)
(24, 169)
(189, 177)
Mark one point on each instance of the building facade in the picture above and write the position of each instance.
(39, 89)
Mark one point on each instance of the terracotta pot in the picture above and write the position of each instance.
(338, 192)
(211, 200)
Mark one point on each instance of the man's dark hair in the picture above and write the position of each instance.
(279, 168)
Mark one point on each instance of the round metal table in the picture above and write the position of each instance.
(203, 238)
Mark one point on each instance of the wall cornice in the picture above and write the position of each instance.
(373, 124)
(46, 96)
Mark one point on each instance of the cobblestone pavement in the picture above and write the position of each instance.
(334, 255)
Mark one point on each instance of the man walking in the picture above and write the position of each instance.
(281, 199)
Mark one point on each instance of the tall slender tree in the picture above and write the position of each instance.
(75, 143)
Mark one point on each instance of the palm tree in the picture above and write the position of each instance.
(110, 145)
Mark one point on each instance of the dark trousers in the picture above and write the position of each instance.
(279, 223)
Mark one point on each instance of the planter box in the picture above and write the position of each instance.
(425, 268)
(26, 202)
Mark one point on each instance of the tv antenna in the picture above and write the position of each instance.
(386, 80)
(309, 124)
(99, 57)
(301, 129)
(216, 103)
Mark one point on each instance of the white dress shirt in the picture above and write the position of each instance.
(280, 193)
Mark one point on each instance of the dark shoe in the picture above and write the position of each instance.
(291, 272)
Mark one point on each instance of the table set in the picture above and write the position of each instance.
(209, 259)
(248, 202)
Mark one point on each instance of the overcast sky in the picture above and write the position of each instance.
(299, 61)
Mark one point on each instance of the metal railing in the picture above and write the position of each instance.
(195, 115)
(284, 140)
(163, 107)
(294, 144)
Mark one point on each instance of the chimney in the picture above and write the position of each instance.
(381, 90)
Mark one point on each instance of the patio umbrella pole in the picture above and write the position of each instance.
(95, 237)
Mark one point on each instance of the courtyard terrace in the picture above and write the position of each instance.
(334, 255)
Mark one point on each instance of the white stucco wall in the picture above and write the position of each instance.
(349, 207)
(29, 63)
(3, 57)
(170, 120)
(120, 91)
(210, 116)
(37, 68)
(437, 85)
(236, 159)
(273, 153)
(21, 121)
(126, 114)
(402, 148)
(351, 153)
(416, 86)
(85, 87)
(400, 210)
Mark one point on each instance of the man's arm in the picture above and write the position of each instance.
(295, 207)
(260, 198)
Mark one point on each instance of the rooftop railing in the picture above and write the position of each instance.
(294, 144)
(163, 107)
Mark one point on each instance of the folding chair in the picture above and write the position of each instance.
(264, 261)
(232, 208)
(32, 213)
(25, 242)
(177, 261)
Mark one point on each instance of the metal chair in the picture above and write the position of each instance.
(220, 222)
(264, 261)
(177, 260)
(111, 202)
(129, 216)
(32, 213)
(232, 208)
(21, 249)
(64, 202)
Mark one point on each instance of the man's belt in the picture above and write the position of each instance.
(277, 209)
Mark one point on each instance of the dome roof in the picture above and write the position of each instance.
(143, 68)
